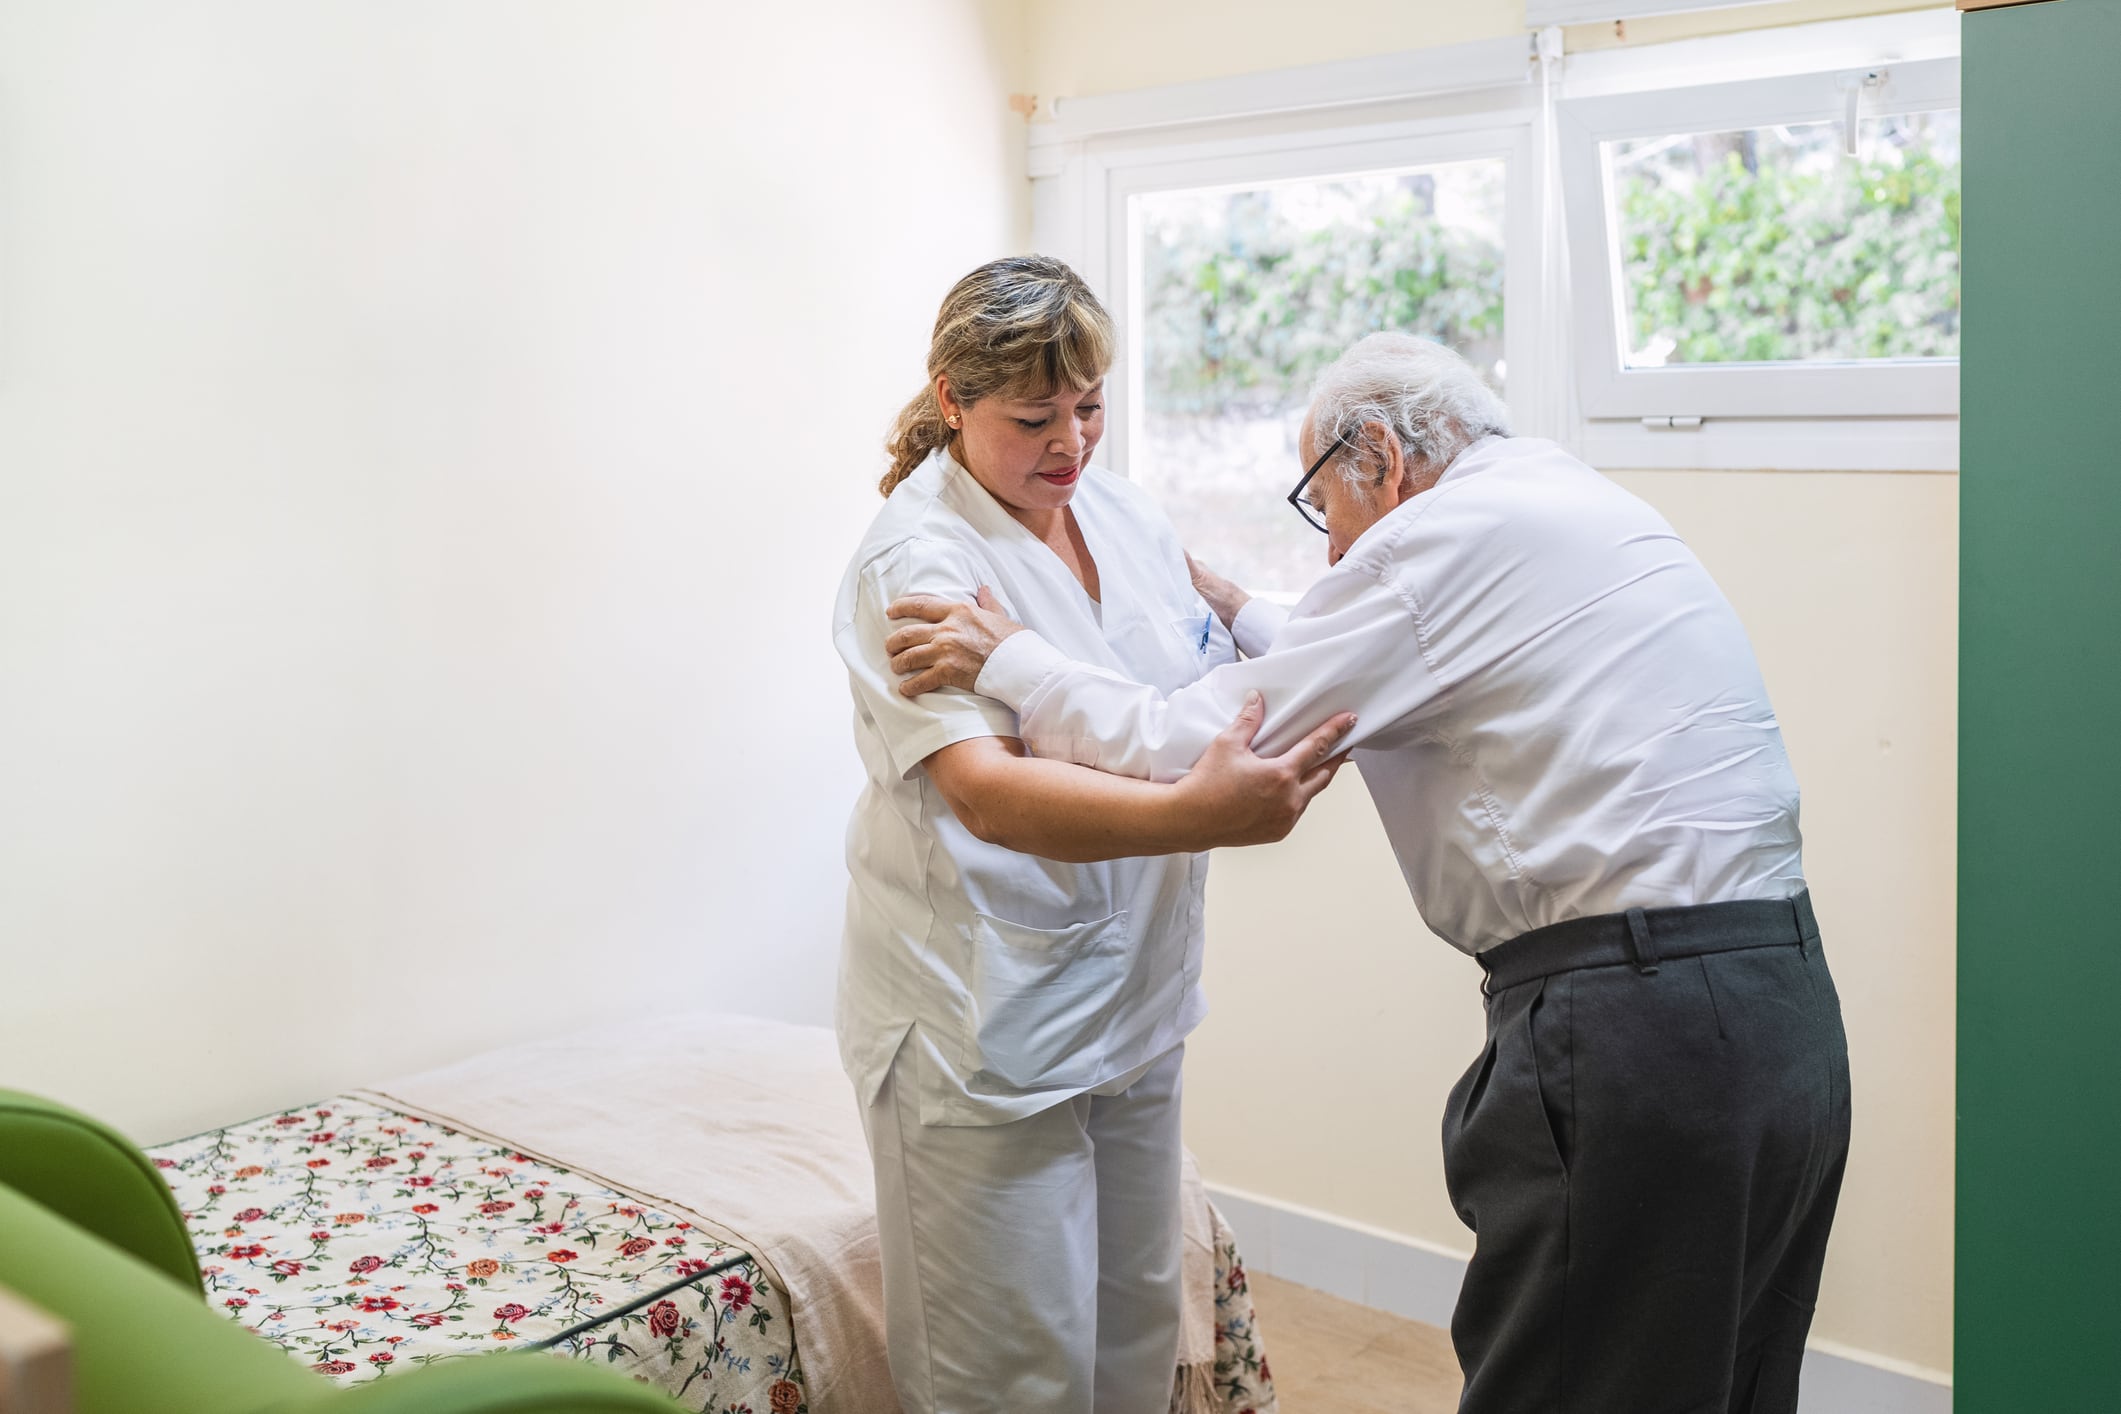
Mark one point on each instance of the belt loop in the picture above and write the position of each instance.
(1640, 944)
(1807, 922)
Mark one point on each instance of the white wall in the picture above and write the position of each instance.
(1084, 47)
(429, 438)
(1339, 1023)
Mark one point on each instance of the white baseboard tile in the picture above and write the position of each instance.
(1419, 1281)
(1838, 1380)
(1342, 1258)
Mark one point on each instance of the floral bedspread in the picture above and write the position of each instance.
(1243, 1382)
(361, 1240)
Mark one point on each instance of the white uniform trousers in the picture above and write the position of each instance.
(1034, 1265)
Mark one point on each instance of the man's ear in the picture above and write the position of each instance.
(1396, 484)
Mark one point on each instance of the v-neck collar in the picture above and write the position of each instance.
(998, 522)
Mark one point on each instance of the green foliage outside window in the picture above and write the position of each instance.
(1732, 250)
(1759, 260)
(1243, 311)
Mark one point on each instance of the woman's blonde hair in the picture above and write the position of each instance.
(1026, 326)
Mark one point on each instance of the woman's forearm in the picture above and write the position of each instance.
(1056, 810)
(1080, 816)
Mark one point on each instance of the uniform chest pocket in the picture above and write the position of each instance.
(1206, 639)
(1041, 999)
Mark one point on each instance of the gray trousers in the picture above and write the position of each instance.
(1649, 1150)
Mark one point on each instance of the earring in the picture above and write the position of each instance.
(952, 420)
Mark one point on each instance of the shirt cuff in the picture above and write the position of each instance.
(1017, 667)
(1257, 625)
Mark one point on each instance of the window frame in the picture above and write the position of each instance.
(1811, 391)
(1325, 157)
(1074, 159)
(1456, 103)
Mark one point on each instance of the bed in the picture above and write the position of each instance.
(689, 1206)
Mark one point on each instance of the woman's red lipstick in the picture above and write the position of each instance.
(1064, 477)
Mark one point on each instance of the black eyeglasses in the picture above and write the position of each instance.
(1304, 508)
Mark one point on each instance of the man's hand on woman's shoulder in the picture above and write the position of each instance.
(948, 643)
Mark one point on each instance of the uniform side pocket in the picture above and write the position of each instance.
(1040, 999)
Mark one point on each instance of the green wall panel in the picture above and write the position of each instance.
(2038, 1301)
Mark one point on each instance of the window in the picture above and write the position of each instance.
(1694, 270)
(1772, 245)
(1783, 247)
(1244, 294)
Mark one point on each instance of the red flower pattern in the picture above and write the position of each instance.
(471, 1200)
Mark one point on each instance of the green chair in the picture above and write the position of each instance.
(90, 1234)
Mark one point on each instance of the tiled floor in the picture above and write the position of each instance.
(1334, 1357)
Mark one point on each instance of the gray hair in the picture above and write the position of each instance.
(1433, 400)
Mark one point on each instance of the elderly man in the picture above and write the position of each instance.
(1564, 730)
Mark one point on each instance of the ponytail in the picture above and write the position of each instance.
(919, 431)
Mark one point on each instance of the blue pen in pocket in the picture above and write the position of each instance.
(1207, 631)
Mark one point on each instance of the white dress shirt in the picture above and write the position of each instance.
(1559, 713)
(1022, 981)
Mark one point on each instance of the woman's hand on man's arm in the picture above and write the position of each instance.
(1070, 813)
(1241, 797)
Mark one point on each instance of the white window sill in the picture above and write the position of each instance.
(1928, 444)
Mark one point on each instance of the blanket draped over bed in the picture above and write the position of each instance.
(754, 1137)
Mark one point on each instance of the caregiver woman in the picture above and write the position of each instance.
(1022, 955)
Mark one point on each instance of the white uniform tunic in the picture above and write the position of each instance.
(1559, 713)
(1022, 982)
